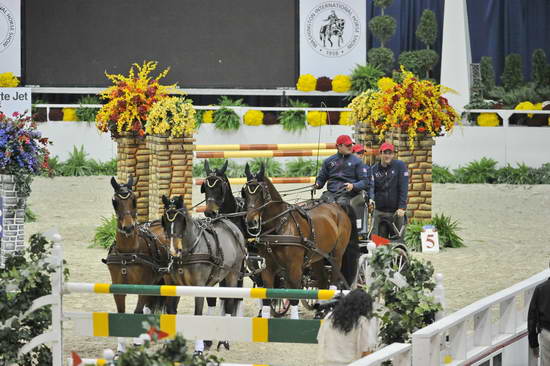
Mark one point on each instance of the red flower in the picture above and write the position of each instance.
(16, 114)
(141, 132)
(421, 129)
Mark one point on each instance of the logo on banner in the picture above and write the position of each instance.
(7, 27)
(333, 29)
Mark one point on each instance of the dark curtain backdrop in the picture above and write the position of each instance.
(497, 28)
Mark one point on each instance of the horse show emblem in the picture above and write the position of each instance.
(333, 29)
(8, 28)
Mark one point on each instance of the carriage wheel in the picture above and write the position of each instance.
(363, 271)
(401, 260)
(280, 307)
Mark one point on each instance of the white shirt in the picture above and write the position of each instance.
(338, 349)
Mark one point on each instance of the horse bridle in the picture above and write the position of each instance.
(124, 196)
(212, 185)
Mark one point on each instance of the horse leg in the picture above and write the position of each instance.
(268, 278)
(211, 301)
(229, 304)
(295, 273)
(199, 343)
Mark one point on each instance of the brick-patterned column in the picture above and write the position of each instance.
(419, 162)
(171, 171)
(133, 160)
(13, 239)
(363, 135)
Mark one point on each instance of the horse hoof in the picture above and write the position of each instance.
(197, 354)
(207, 345)
(225, 345)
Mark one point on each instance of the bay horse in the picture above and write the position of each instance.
(292, 238)
(138, 253)
(205, 252)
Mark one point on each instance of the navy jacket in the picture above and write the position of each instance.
(340, 169)
(538, 316)
(391, 186)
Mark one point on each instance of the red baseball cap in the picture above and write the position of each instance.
(386, 146)
(358, 148)
(344, 140)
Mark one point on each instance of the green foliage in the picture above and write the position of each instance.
(419, 62)
(25, 278)
(365, 77)
(226, 118)
(105, 233)
(482, 171)
(539, 66)
(382, 58)
(487, 74)
(294, 121)
(55, 167)
(234, 170)
(441, 174)
(406, 309)
(99, 168)
(383, 3)
(427, 28)
(512, 76)
(273, 168)
(520, 175)
(30, 216)
(87, 114)
(412, 234)
(171, 353)
(448, 231)
(78, 164)
(301, 167)
(198, 118)
(382, 27)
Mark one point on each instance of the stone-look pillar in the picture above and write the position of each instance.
(419, 162)
(13, 238)
(133, 160)
(171, 171)
(363, 135)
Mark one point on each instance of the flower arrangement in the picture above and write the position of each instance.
(385, 83)
(488, 120)
(316, 118)
(345, 119)
(208, 117)
(253, 117)
(341, 83)
(226, 118)
(323, 84)
(306, 83)
(69, 114)
(173, 116)
(527, 106)
(23, 150)
(294, 120)
(130, 99)
(8, 80)
(270, 118)
(412, 106)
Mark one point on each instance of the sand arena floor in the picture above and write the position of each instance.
(505, 228)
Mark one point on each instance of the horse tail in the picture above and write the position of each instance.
(351, 255)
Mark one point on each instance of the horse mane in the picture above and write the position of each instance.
(275, 195)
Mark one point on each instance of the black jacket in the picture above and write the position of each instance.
(391, 186)
(340, 169)
(539, 313)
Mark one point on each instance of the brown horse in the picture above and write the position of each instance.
(291, 238)
(138, 253)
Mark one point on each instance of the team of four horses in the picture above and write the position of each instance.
(277, 244)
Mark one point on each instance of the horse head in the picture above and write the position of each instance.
(174, 222)
(256, 195)
(125, 205)
(215, 188)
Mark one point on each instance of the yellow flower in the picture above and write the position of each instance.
(316, 118)
(208, 117)
(171, 116)
(385, 83)
(69, 114)
(526, 106)
(306, 82)
(341, 83)
(8, 80)
(253, 117)
(412, 106)
(346, 119)
(488, 120)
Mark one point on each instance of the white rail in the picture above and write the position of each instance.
(398, 353)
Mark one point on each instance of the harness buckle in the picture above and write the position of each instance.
(123, 262)
(123, 271)
(180, 270)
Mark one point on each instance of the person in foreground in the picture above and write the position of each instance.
(538, 323)
(349, 332)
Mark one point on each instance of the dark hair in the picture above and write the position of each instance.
(348, 311)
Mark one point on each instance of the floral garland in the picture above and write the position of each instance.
(316, 118)
(171, 116)
(412, 106)
(253, 117)
(308, 83)
(8, 80)
(131, 99)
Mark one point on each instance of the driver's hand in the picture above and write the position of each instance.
(348, 186)
(371, 205)
(400, 212)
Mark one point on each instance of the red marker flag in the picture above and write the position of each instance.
(159, 333)
(379, 240)
(76, 359)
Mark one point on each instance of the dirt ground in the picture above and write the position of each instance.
(505, 229)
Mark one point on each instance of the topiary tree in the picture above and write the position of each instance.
(427, 28)
(419, 62)
(382, 4)
(381, 58)
(512, 76)
(383, 28)
(539, 66)
(487, 74)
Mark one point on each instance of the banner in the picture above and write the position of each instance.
(10, 36)
(332, 36)
(15, 100)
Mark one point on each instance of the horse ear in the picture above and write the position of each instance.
(202, 187)
(115, 185)
(165, 201)
(179, 202)
(262, 172)
(130, 183)
(207, 167)
(247, 172)
(224, 167)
